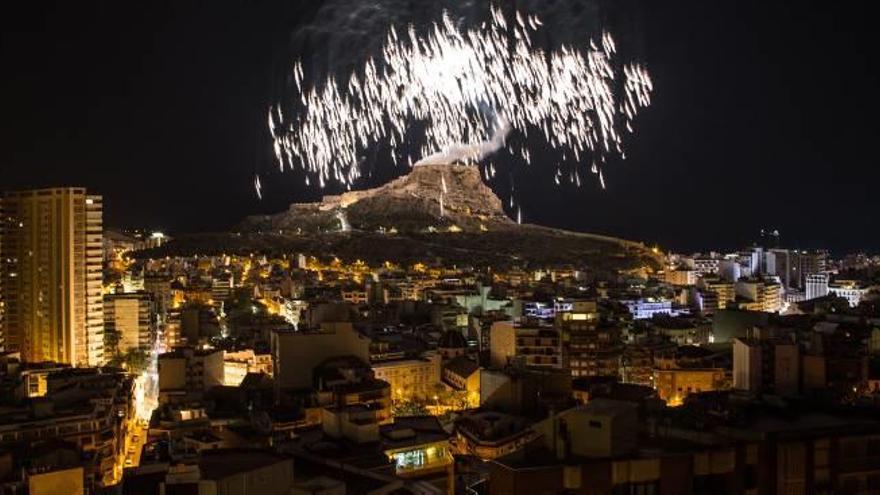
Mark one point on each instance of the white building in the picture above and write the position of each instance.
(817, 285)
(847, 289)
(706, 266)
(643, 309)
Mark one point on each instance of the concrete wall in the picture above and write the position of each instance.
(502, 342)
(172, 373)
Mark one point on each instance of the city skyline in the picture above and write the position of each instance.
(435, 247)
(755, 123)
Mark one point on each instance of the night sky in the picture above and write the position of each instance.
(764, 116)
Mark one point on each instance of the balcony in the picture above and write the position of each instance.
(421, 460)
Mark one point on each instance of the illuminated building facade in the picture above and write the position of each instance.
(532, 346)
(724, 292)
(237, 364)
(809, 263)
(186, 370)
(849, 290)
(131, 319)
(417, 446)
(706, 265)
(764, 295)
(816, 285)
(643, 309)
(680, 277)
(52, 252)
(410, 378)
(463, 375)
(673, 385)
(588, 349)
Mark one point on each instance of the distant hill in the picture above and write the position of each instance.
(435, 212)
(408, 204)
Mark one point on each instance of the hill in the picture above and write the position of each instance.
(436, 212)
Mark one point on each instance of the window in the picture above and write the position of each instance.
(647, 488)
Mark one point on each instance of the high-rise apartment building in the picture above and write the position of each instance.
(589, 349)
(810, 263)
(51, 274)
(524, 344)
(780, 263)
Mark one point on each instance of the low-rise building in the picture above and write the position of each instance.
(418, 446)
(765, 295)
(849, 290)
(723, 290)
(237, 364)
(595, 449)
(353, 400)
(642, 309)
(410, 379)
(89, 410)
(766, 364)
(684, 330)
(463, 375)
(680, 277)
(186, 371)
(295, 354)
(674, 385)
(490, 435)
(712, 446)
(219, 471)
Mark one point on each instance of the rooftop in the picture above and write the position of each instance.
(223, 463)
(462, 366)
(411, 431)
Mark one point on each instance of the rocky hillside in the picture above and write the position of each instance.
(435, 213)
(430, 198)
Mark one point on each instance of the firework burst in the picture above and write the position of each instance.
(462, 91)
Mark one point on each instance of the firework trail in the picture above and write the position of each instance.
(463, 91)
(469, 153)
(258, 187)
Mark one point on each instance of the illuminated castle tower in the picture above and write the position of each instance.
(51, 275)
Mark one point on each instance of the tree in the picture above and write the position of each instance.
(111, 341)
(408, 408)
(134, 360)
(137, 360)
(455, 399)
